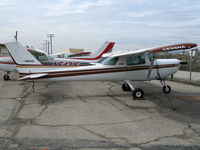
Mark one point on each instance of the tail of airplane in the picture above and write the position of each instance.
(105, 48)
(20, 55)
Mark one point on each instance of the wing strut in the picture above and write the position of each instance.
(151, 67)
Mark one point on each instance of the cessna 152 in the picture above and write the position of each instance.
(7, 64)
(138, 65)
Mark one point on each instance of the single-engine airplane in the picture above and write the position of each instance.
(47, 62)
(138, 65)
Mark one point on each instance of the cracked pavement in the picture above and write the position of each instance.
(97, 115)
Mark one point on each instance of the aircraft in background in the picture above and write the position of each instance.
(84, 55)
(138, 65)
(7, 64)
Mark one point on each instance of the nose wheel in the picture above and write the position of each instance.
(166, 89)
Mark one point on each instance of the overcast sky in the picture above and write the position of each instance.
(88, 23)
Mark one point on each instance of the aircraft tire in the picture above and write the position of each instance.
(6, 77)
(166, 89)
(125, 87)
(138, 93)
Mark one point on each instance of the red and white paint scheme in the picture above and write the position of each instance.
(47, 62)
(93, 57)
(139, 65)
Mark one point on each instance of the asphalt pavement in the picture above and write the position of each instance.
(98, 115)
(184, 76)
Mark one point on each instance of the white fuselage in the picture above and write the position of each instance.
(8, 65)
(101, 72)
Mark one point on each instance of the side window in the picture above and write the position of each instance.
(135, 60)
(112, 61)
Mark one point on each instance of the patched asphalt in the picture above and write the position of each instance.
(98, 115)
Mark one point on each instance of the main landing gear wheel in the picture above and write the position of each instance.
(138, 93)
(6, 77)
(125, 87)
(166, 89)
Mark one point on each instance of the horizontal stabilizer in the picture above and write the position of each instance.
(33, 76)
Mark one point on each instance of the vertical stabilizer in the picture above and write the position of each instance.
(105, 48)
(20, 55)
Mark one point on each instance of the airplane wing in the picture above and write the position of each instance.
(33, 76)
(157, 49)
(174, 47)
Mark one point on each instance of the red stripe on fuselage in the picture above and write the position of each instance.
(7, 63)
(96, 71)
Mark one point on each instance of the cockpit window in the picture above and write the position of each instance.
(102, 59)
(112, 61)
(135, 60)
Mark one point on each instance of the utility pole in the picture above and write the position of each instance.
(46, 45)
(16, 36)
(50, 37)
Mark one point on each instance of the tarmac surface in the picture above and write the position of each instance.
(98, 115)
